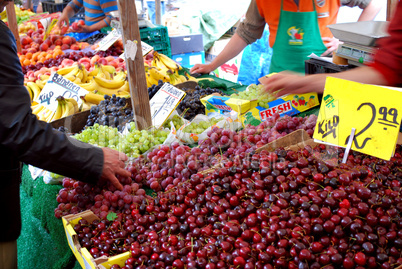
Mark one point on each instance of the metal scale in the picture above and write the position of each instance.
(359, 40)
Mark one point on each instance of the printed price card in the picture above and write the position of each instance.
(57, 86)
(164, 103)
(108, 40)
(374, 111)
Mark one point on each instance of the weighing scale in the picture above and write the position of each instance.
(359, 40)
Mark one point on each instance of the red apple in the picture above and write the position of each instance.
(65, 47)
(44, 47)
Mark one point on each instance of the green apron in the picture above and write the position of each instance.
(297, 37)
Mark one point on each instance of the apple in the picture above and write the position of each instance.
(74, 47)
(64, 30)
(58, 42)
(81, 22)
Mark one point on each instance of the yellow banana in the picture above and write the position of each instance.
(73, 74)
(158, 75)
(84, 71)
(44, 114)
(77, 81)
(75, 107)
(44, 78)
(41, 84)
(90, 86)
(59, 111)
(92, 98)
(120, 76)
(110, 84)
(35, 89)
(30, 92)
(125, 87)
(66, 70)
(182, 78)
(151, 80)
(37, 108)
(169, 63)
(94, 71)
(110, 92)
(108, 68)
(67, 108)
(86, 106)
(103, 73)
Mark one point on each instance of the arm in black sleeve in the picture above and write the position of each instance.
(33, 141)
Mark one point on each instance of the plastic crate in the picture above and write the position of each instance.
(158, 38)
(52, 7)
(314, 66)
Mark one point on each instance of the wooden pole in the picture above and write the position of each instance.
(158, 12)
(391, 6)
(12, 23)
(135, 69)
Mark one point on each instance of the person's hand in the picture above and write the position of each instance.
(289, 82)
(332, 44)
(63, 20)
(84, 29)
(201, 68)
(113, 164)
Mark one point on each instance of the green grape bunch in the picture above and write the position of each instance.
(177, 122)
(255, 92)
(200, 127)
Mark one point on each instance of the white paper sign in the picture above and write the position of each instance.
(164, 103)
(57, 86)
(108, 40)
(146, 48)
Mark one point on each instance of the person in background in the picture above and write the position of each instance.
(297, 28)
(386, 69)
(23, 138)
(37, 6)
(97, 14)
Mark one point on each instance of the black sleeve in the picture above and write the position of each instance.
(33, 141)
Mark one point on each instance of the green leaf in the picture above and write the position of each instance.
(111, 216)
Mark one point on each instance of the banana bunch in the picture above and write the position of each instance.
(161, 61)
(102, 80)
(65, 107)
(175, 78)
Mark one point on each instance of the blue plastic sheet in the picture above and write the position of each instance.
(255, 61)
(80, 36)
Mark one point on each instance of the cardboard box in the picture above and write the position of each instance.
(190, 59)
(232, 30)
(186, 43)
(229, 70)
(250, 113)
(82, 254)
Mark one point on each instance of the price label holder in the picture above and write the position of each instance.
(164, 103)
(57, 86)
(375, 112)
(49, 28)
(145, 50)
(109, 40)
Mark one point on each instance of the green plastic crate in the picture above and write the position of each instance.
(158, 38)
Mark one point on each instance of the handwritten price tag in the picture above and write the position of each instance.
(109, 40)
(374, 111)
(164, 103)
(57, 86)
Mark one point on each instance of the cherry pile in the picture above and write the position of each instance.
(281, 209)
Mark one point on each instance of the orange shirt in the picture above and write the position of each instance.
(327, 11)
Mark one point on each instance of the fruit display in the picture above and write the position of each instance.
(252, 213)
(65, 107)
(22, 15)
(113, 111)
(191, 105)
(26, 26)
(254, 92)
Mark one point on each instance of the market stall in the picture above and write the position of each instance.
(223, 175)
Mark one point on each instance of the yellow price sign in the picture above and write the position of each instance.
(375, 112)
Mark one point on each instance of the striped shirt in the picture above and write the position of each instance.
(95, 10)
